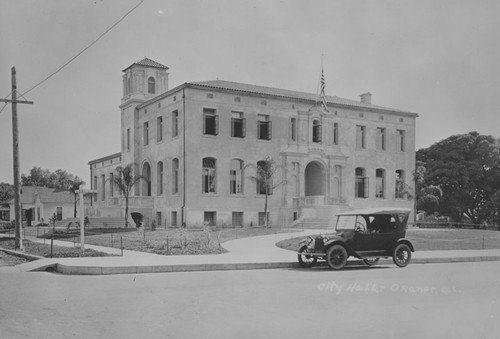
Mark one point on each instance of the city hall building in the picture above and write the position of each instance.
(198, 145)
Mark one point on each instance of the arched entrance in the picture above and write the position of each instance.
(146, 181)
(314, 179)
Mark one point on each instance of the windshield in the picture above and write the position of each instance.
(348, 222)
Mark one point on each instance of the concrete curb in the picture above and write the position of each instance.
(99, 270)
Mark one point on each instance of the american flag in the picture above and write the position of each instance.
(323, 96)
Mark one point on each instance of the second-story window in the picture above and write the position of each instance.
(237, 125)
(175, 123)
(159, 129)
(401, 140)
(146, 133)
(316, 135)
(335, 133)
(264, 127)
(360, 136)
(381, 139)
(293, 129)
(210, 122)
(361, 183)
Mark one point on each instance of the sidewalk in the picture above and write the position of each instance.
(246, 253)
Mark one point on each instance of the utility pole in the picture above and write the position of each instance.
(15, 145)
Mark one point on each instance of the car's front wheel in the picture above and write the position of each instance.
(336, 257)
(306, 260)
(402, 255)
(371, 261)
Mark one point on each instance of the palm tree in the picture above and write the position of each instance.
(125, 181)
(74, 186)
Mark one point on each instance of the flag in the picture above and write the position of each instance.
(322, 93)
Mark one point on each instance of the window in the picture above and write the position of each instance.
(175, 124)
(174, 218)
(146, 133)
(381, 139)
(264, 179)
(151, 85)
(237, 125)
(103, 187)
(335, 133)
(159, 178)
(293, 129)
(262, 218)
(175, 176)
(59, 213)
(208, 175)
(159, 129)
(158, 219)
(210, 122)
(316, 135)
(236, 177)
(400, 184)
(111, 185)
(361, 183)
(360, 136)
(210, 218)
(237, 219)
(401, 140)
(128, 139)
(264, 127)
(95, 188)
(380, 183)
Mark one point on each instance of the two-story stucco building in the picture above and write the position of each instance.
(198, 144)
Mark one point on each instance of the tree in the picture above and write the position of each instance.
(74, 187)
(125, 181)
(60, 179)
(265, 178)
(466, 168)
(6, 192)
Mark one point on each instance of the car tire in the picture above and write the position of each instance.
(336, 257)
(306, 260)
(371, 261)
(402, 255)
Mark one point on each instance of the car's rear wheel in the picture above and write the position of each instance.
(402, 255)
(336, 257)
(306, 260)
(371, 261)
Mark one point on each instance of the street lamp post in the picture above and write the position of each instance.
(81, 191)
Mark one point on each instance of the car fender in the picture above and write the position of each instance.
(404, 241)
(338, 241)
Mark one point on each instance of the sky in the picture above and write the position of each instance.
(440, 59)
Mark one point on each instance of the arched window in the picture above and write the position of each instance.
(400, 184)
(159, 178)
(175, 176)
(316, 131)
(236, 177)
(146, 182)
(380, 183)
(151, 85)
(208, 175)
(361, 183)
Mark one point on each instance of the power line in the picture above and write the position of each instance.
(83, 50)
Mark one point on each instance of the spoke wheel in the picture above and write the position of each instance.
(306, 260)
(371, 261)
(336, 257)
(402, 255)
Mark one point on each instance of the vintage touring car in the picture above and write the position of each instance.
(368, 234)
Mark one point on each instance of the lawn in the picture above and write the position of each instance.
(44, 250)
(434, 239)
(176, 241)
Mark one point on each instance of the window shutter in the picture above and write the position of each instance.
(269, 130)
(259, 126)
(232, 126)
(216, 123)
(243, 128)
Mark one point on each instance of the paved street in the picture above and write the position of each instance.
(433, 301)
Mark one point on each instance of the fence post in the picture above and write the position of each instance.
(112, 240)
(168, 251)
(121, 244)
(52, 246)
